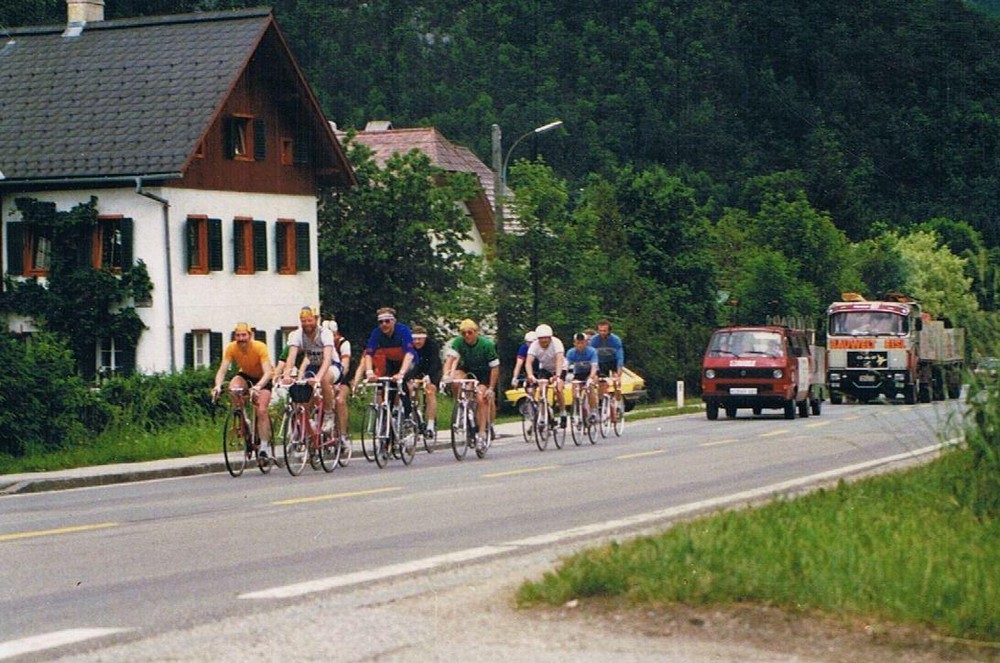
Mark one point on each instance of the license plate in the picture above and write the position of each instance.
(743, 391)
(866, 378)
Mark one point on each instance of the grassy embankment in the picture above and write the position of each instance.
(202, 436)
(895, 548)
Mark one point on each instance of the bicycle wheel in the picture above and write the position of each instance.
(459, 430)
(408, 440)
(604, 416)
(559, 431)
(329, 452)
(383, 439)
(264, 464)
(576, 422)
(619, 423)
(234, 445)
(590, 424)
(429, 439)
(295, 449)
(346, 451)
(368, 434)
(542, 425)
(527, 408)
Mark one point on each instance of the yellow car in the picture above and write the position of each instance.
(633, 390)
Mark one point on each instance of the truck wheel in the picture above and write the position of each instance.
(836, 398)
(910, 395)
(730, 412)
(804, 408)
(756, 411)
(924, 393)
(712, 410)
(817, 406)
(790, 410)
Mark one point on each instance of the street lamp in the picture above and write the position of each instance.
(500, 167)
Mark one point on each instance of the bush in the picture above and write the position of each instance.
(154, 402)
(43, 406)
(978, 484)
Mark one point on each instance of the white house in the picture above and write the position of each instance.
(205, 148)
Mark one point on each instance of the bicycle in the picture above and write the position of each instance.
(581, 420)
(302, 434)
(464, 424)
(611, 409)
(418, 400)
(545, 423)
(528, 407)
(239, 435)
(388, 431)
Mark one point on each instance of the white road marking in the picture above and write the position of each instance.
(323, 584)
(45, 641)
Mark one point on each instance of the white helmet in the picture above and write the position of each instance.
(530, 337)
(330, 324)
(543, 331)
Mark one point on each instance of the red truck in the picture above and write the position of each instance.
(763, 367)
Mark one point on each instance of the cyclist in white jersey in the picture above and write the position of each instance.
(550, 355)
(312, 346)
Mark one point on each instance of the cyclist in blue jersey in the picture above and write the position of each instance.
(610, 357)
(390, 351)
(581, 363)
(522, 356)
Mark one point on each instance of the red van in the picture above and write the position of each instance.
(760, 367)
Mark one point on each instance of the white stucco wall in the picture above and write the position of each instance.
(214, 301)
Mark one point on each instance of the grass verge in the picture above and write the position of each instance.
(894, 548)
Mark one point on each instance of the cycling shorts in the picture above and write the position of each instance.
(251, 380)
(336, 371)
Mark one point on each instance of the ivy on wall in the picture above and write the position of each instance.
(78, 302)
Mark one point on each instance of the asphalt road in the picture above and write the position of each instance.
(136, 561)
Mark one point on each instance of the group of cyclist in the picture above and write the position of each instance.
(318, 353)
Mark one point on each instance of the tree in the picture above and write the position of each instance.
(935, 276)
(395, 240)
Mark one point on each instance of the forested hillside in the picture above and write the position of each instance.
(889, 108)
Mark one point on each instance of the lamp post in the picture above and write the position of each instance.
(499, 189)
(500, 167)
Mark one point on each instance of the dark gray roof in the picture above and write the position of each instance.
(126, 97)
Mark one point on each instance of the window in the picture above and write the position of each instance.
(114, 357)
(204, 245)
(202, 348)
(287, 151)
(291, 246)
(29, 250)
(112, 244)
(246, 138)
(249, 245)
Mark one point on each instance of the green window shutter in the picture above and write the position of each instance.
(300, 151)
(215, 245)
(214, 348)
(15, 249)
(260, 335)
(190, 242)
(278, 337)
(259, 246)
(279, 247)
(228, 132)
(128, 234)
(237, 244)
(259, 140)
(189, 350)
(302, 258)
(127, 357)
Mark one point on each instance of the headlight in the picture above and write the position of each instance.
(710, 374)
(778, 374)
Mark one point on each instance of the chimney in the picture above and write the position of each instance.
(84, 11)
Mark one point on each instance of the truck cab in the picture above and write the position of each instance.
(760, 367)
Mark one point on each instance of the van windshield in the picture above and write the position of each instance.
(745, 343)
(867, 323)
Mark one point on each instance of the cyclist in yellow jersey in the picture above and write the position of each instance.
(253, 365)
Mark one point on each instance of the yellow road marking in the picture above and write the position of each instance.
(527, 470)
(52, 532)
(718, 442)
(780, 431)
(640, 455)
(817, 424)
(336, 496)
(852, 417)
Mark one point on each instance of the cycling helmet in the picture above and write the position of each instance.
(530, 337)
(330, 324)
(543, 331)
(467, 324)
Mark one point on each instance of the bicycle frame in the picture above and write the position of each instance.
(464, 426)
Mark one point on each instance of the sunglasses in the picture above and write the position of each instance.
(385, 322)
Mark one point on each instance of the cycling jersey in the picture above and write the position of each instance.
(387, 351)
(610, 353)
(250, 362)
(522, 353)
(312, 346)
(546, 357)
(479, 358)
(428, 362)
(581, 362)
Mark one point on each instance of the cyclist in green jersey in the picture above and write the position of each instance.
(474, 355)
